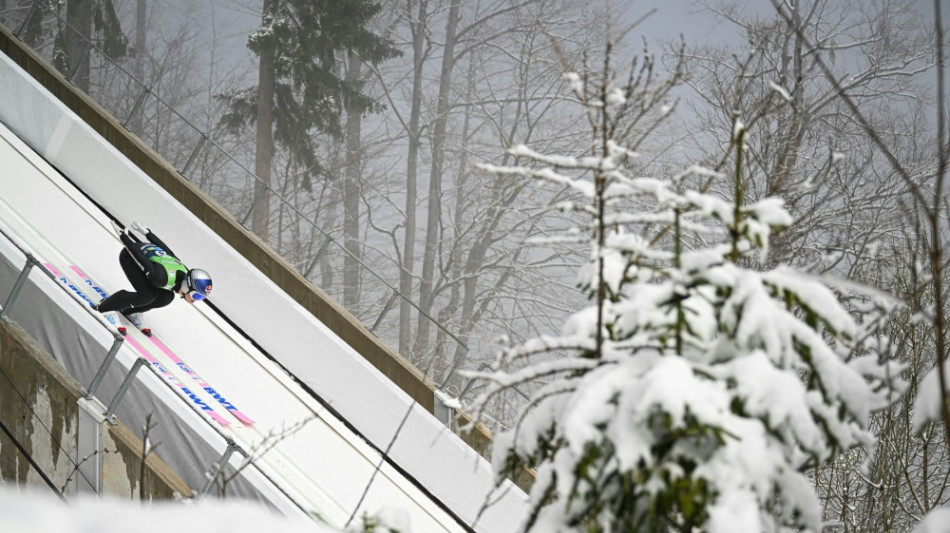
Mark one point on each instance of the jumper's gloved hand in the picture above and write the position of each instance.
(119, 230)
(139, 227)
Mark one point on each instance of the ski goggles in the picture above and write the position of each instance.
(196, 296)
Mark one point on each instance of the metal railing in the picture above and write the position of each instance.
(217, 470)
(86, 392)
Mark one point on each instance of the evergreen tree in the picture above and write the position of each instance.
(300, 91)
(696, 391)
(81, 24)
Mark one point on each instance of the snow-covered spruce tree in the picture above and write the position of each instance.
(695, 392)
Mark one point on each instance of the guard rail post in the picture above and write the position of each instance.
(219, 466)
(101, 373)
(17, 286)
(126, 383)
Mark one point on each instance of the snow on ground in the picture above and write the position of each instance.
(29, 511)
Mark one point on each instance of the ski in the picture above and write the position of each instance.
(230, 407)
(201, 404)
(65, 281)
(246, 420)
(84, 277)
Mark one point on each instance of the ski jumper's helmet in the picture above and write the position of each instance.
(199, 283)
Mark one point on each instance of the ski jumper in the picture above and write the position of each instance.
(154, 272)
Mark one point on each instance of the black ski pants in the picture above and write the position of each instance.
(146, 296)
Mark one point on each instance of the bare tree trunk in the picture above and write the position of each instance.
(265, 132)
(412, 169)
(451, 309)
(351, 196)
(140, 39)
(934, 218)
(138, 65)
(781, 178)
(79, 19)
(329, 218)
(434, 215)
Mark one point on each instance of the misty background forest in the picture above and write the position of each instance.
(732, 204)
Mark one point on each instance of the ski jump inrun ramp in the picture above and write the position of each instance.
(322, 415)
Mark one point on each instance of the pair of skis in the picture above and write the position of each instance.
(113, 319)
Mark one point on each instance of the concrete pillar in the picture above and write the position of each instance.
(89, 445)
